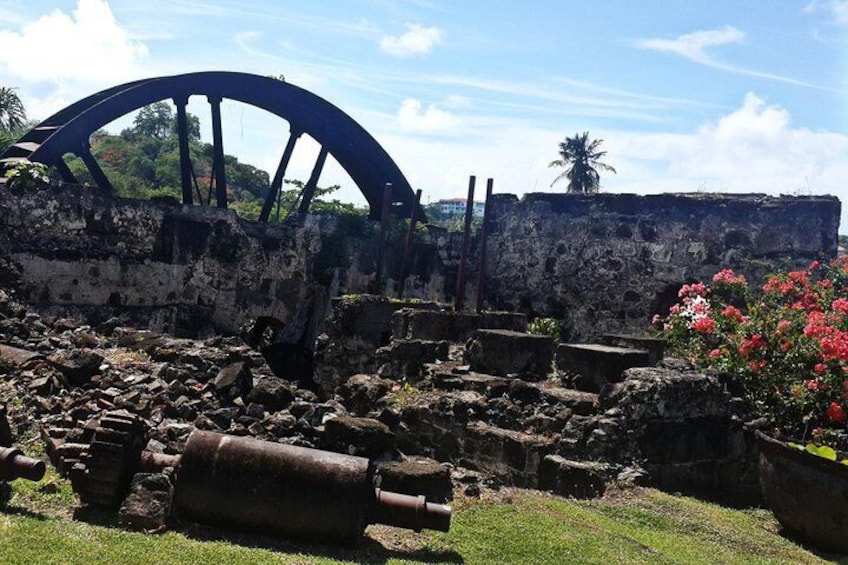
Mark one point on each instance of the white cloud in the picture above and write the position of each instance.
(694, 45)
(838, 10)
(419, 40)
(88, 45)
(413, 117)
(753, 149)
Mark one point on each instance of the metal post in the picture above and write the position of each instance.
(384, 230)
(312, 183)
(185, 158)
(466, 245)
(218, 159)
(407, 248)
(277, 183)
(97, 174)
(481, 265)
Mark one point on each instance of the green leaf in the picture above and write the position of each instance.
(822, 451)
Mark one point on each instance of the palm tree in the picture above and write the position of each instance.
(12, 113)
(581, 160)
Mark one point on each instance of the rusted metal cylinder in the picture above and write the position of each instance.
(15, 465)
(244, 483)
(412, 512)
(248, 484)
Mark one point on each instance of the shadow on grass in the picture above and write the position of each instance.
(368, 551)
(827, 555)
(6, 508)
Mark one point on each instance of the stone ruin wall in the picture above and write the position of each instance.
(603, 262)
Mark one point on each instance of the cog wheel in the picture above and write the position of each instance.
(103, 474)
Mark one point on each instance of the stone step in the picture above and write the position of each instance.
(575, 479)
(514, 457)
(595, 365)
(456, 327)
(654, 346)
(510, 354)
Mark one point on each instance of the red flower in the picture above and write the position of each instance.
(835, 413)
(752, 344)
(704, 325)
(733, 313)
(717, 353)
(820, 368)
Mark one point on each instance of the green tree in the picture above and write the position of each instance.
(12, 112)
(159, 121)
(581, 160)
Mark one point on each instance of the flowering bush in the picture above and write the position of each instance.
(786, 344)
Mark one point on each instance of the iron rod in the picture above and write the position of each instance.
(484, 237)
(312, 183)
(218, 159)
(407, 248)
(185, 158)
(277, 184)
(384, 230)
(466, 245)
(97, 174)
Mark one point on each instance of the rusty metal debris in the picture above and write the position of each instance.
(291, 491)
(18, 357)
(13, 463)
(250, 484)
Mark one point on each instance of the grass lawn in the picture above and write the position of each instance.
(515, 526)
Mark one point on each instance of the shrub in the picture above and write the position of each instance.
(786, 344)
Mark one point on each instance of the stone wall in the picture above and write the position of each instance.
(608, 262)
(603, 262)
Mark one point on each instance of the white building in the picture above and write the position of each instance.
(456, 207)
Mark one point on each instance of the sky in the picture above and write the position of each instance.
(720, 96)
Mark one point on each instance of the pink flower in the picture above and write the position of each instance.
(728, 277)
(715, 353)
(820, 368)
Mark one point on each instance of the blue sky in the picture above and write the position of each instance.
(728, 95)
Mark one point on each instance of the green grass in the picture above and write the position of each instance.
(639, 526)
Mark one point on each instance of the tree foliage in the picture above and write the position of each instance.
(144, 162)
(13, 122)
(581, 159)
(12, 112)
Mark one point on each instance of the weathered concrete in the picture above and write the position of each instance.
(603, 263)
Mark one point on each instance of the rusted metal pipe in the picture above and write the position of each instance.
(466, 245)
(15, 465)
(248, 484)
(484, 237)
(411, 512)
(407, 248)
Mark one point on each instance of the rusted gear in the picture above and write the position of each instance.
(102, 476)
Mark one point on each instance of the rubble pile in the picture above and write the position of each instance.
(490, 403)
